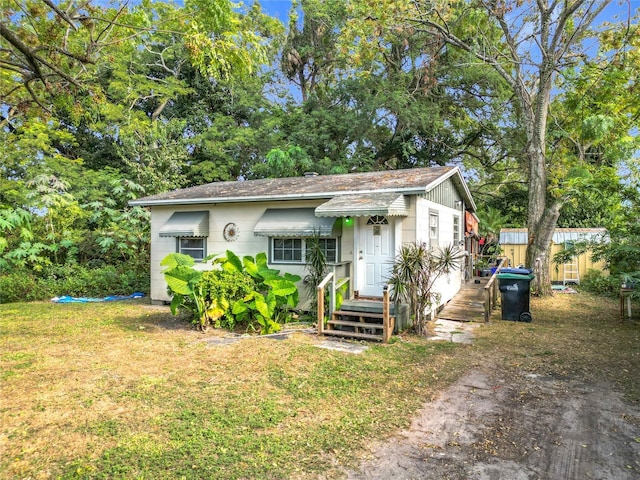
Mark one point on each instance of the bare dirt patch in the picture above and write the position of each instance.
(495, 425)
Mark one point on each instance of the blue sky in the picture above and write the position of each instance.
(276, 8)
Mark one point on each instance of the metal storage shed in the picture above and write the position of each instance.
(514, 241)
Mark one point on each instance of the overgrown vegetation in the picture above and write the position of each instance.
(596, 282)
(237, 292)
(71, 279)
(171, 95)
(67, 245)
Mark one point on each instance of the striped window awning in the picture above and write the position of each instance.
(186, 224)
(296, 222)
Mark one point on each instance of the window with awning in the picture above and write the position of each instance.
(186, 224)
(296, 222)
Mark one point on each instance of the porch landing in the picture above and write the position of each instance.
(466, 306)
(374, 305)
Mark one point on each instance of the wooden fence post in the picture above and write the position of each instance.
(386, 327)
(320, 310)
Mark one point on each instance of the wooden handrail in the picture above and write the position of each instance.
(321, 287)
(341, 282)
(491, 292)
(325, 280)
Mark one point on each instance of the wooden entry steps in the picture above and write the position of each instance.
(356, 320)
(360, 325)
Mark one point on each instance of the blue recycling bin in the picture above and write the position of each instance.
(514, 285)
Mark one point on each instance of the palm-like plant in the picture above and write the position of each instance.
(316, 265)
(414, 274)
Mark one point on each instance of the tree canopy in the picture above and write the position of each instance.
(101, 102)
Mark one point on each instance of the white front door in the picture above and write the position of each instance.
(375, 254)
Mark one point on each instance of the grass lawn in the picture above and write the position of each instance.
(125, 390)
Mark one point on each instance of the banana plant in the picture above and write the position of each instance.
(260, 308)
(274, 294)
(184, 281)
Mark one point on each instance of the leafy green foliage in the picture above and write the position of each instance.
(153, 96)
(23, 285)
(184, 281)
(293, 162)
(596, 282)
(239, 291)
(220, 42)
(99, 232)
(274, 296)
(221, 288)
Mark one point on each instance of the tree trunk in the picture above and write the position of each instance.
(539, 249)
(542, 217)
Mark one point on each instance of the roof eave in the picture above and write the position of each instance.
(267, 198)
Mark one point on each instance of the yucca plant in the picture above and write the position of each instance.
(415, 271)
(316, 265)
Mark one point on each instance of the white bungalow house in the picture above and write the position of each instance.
(363, 219)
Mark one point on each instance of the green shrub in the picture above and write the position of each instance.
(595, 282)
(73, 280)
(19, 287)
(269, 305)
(229, 285)
(256, 295)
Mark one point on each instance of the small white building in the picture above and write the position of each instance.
(363, 219)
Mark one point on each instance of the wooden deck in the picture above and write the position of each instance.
(468, 304)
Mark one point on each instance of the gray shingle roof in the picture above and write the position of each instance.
(415, 180)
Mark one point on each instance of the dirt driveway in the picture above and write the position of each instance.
(490, 425)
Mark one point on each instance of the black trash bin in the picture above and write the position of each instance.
(514, 286)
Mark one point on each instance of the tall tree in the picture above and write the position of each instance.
(543, 38)
(529, 44)
(48, 49)
(91, 98)
(309, 56)
(395, 104)
(591, 133)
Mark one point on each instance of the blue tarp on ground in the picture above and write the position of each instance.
(67, 299)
